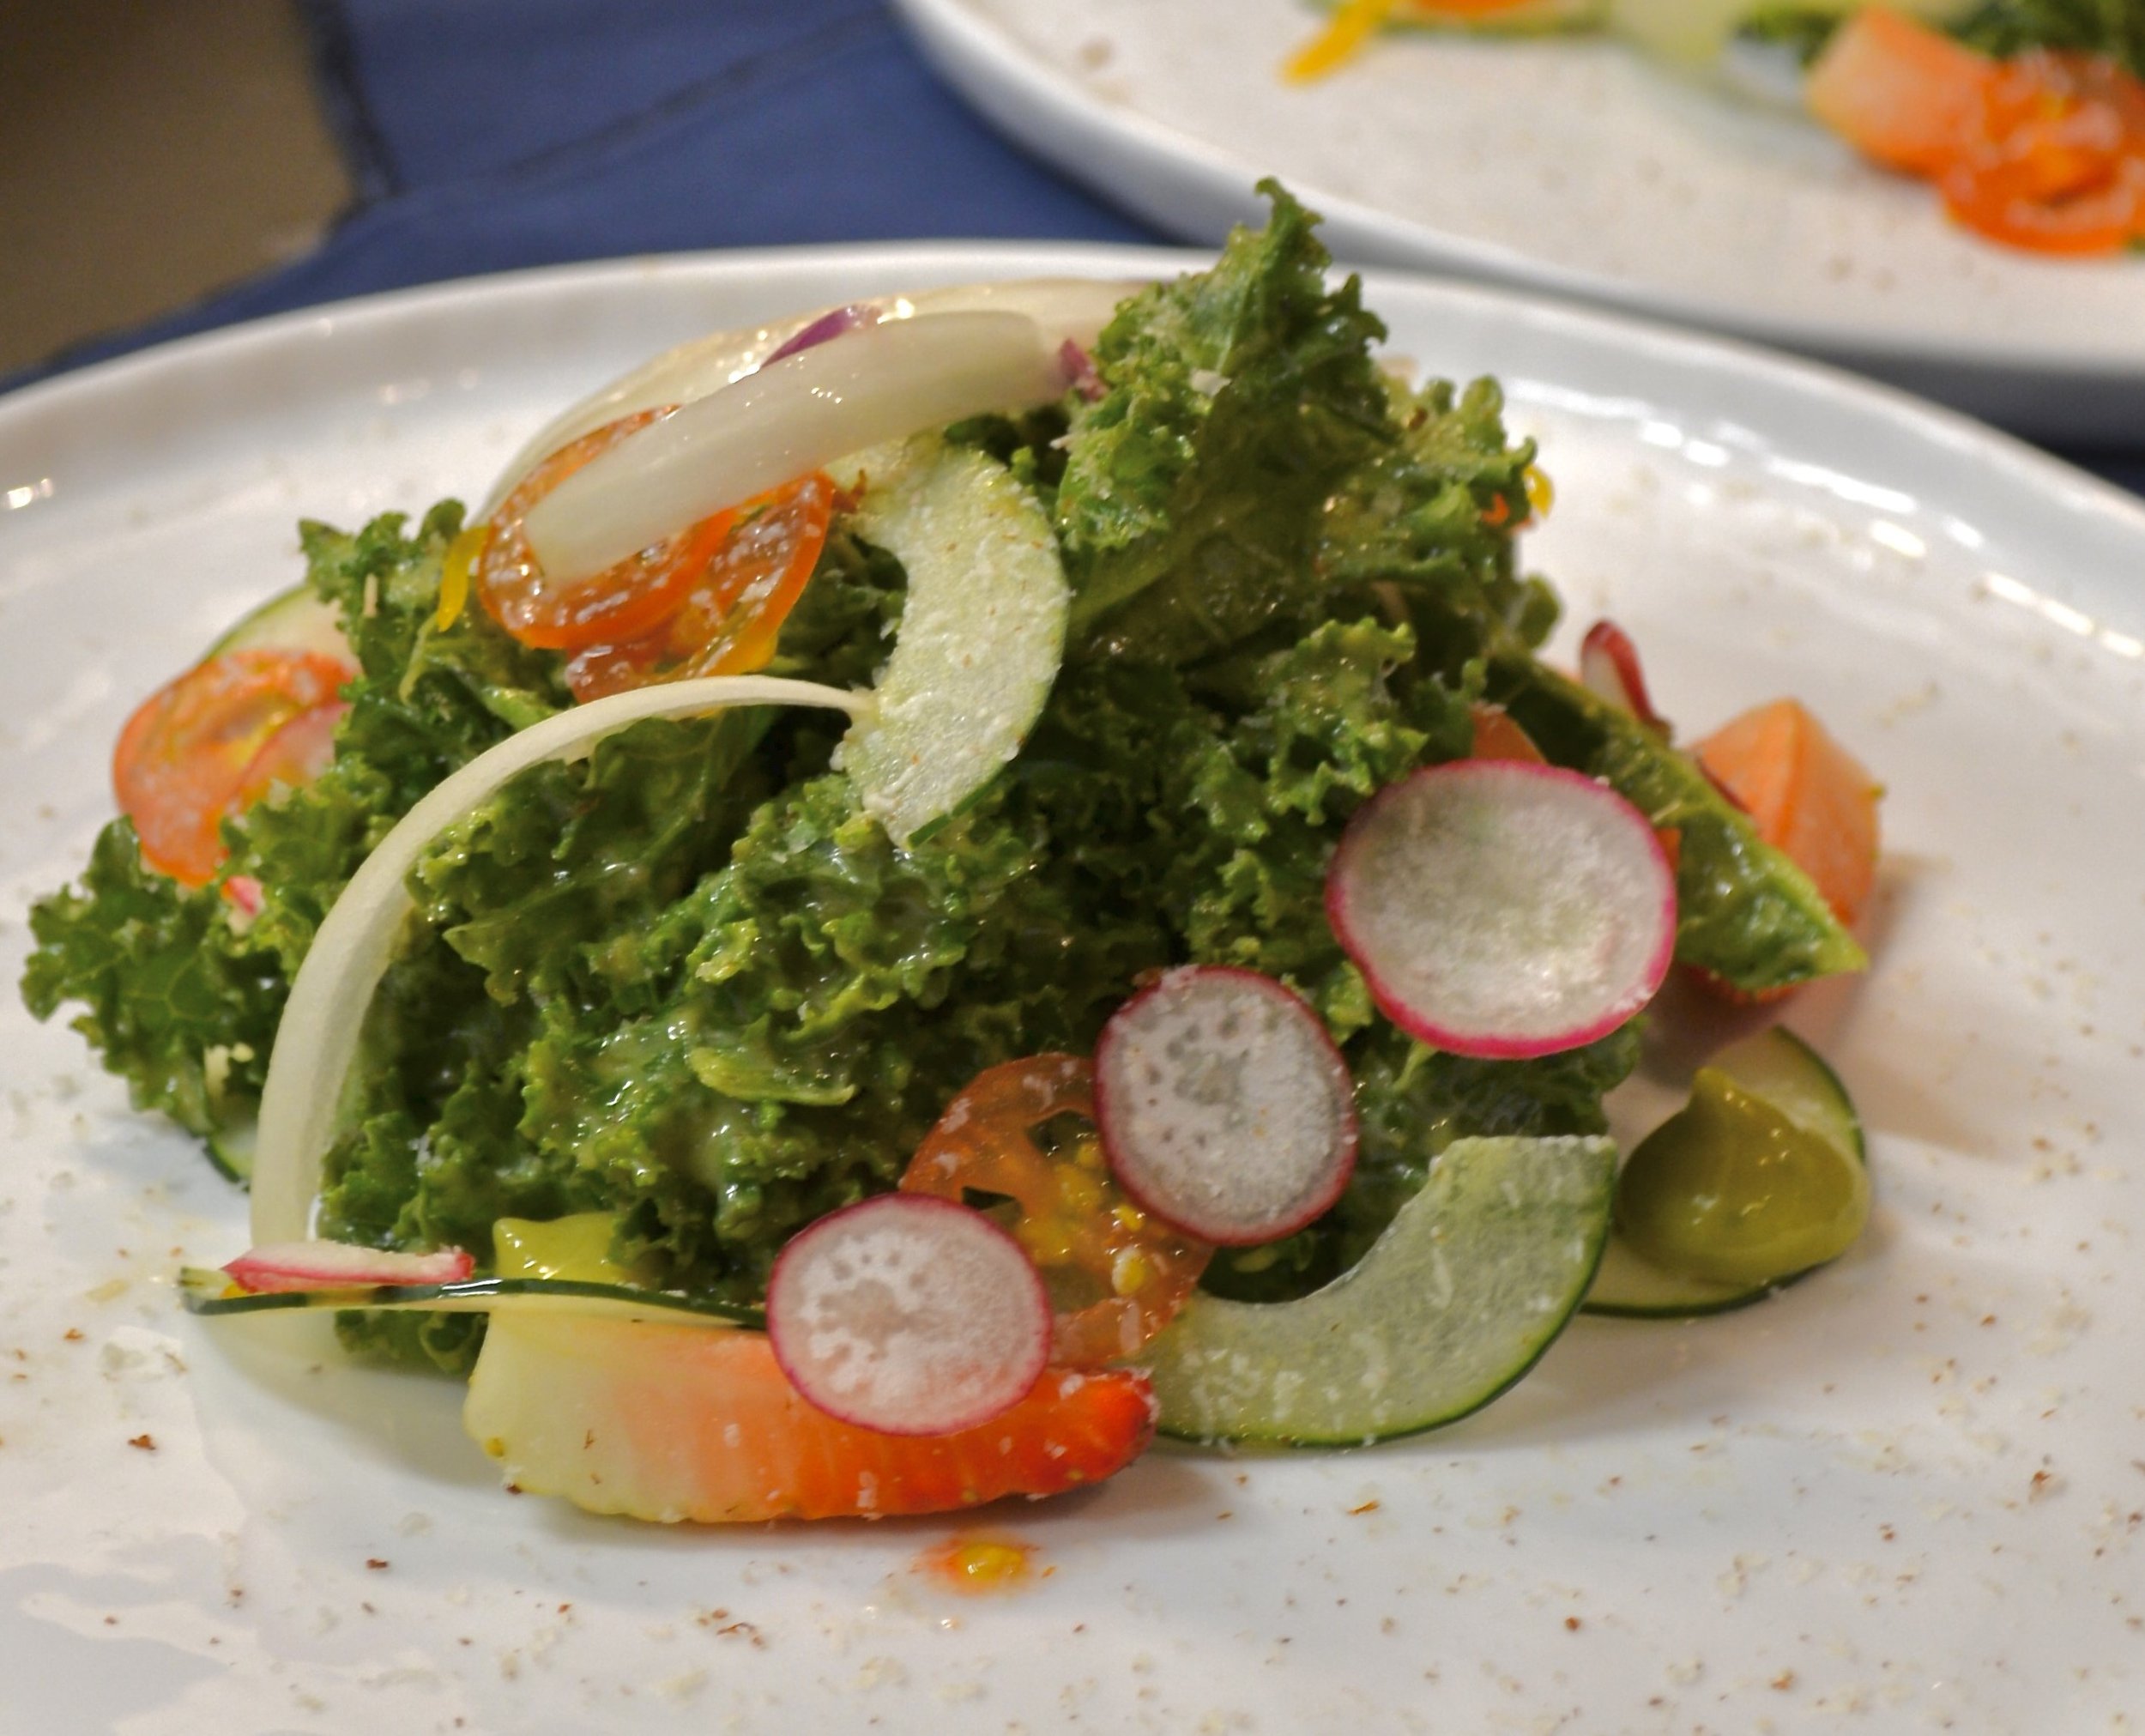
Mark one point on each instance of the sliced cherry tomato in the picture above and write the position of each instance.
(2045, 151)
(1117, 1274)
(732, 613)
(2061, 167)
(214, 741)
(621, 602)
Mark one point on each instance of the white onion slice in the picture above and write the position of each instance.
(866, 387)
(317, 1039)
(1074, 309)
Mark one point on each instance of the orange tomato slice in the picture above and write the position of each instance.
(728, 617)
(2046, 151)
(618, 604)
(209, 745)
(1117, 1274)
(1898, 91)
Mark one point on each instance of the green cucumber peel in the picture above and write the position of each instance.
(981, 635)
(1470, 1283)
(291, 620)
(208, 1291)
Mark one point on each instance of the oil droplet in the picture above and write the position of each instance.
(975, 1564)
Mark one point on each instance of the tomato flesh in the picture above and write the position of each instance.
(728, 617)
(1119, 1274)
(621, 602)
(2046, 151)
(208, 746)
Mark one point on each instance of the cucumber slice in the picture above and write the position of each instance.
(230, 1150)
(208, 1291)
(291, 620)
(1779, 1067)
(1453, 1304)
(982, 631)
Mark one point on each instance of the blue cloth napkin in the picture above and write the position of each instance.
(486, 134)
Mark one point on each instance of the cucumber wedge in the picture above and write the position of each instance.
(210, 1293)
(1454, 1302)
(1779, 1067)
(230, 1150)
(291, 620)
(982, 631)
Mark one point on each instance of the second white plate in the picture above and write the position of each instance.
(1573, 165)
(1908, 1486)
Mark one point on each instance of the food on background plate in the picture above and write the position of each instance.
(2029, 116)
(940, 885)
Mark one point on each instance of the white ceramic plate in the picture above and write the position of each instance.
(1909, 1486)
(1569, 165)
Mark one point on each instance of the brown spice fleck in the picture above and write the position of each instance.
(147, 1443)
(1571, 1624)
(1370, 1506)
(375, 1562)
(72, 1334)
(1784, 1681)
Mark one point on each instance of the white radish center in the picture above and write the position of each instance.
(1227, 1110)
(909, 1315)
(1511, 904)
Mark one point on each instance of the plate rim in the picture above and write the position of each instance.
(368, 319)
(362, 320)
(1081, 135)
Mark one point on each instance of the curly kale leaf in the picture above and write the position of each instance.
(175, 1001)
(1236, 398)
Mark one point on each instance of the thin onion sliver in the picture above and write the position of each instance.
(1074, 309)
(866, 387)
(317, 1039)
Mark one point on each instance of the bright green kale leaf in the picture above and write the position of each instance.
(1236, 398)
(175, 1001)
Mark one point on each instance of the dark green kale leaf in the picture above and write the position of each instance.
(1236, 398)
(2114, 28)
(427, 702)
(830, 994)
(175, 1001)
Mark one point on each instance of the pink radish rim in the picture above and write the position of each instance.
(1481, 1046)
(1344, 1165)
(297, 1266)
(804, 1382)
(1606, 639)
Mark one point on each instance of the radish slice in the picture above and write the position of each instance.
(1224, 1106)
(1609, 665)
(869, 385)
(317, 1037)
(1503, 909)
(909, 1314)
(281, 1266)
(1066, 309)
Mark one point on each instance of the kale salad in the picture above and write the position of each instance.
(1066, 899)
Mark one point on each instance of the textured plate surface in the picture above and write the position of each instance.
(1909, 1486)
(1571, 165)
